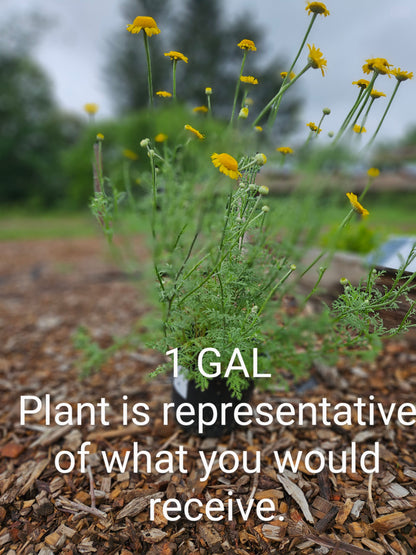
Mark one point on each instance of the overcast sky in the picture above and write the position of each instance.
(71, 49)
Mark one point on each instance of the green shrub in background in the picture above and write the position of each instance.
(357, 238)
(121, 147)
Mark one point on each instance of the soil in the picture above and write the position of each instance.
(48, 289)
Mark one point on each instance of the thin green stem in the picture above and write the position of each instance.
(237, 87)
(275, 108)
(384, 115)
(308, 30)
(278, 95)
(360, 111)
(127, 185)
(320, 123)
(154, 198)
(332, 247)
(174, 62)
(351, 112)
(362, 99)
(367, 112)
(322, 271)
(149, 68)
(271, 293)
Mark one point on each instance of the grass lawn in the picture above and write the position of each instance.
(390, 213)
(19, 225)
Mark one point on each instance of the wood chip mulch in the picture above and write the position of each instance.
(48, 289)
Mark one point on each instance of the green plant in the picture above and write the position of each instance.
(222, 278)
(358, 238)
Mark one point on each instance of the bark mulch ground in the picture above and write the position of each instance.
(47, 290)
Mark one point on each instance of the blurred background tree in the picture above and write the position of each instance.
(33, 134)
(33, 131)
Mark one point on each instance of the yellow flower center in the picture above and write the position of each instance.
(226, 164)
(161, 137)
(362, 83)
(285, 150)
(247, 44)
(91, 108)
(356, 205)
(194, 131)
(379, 64)
(202, 109)
(130, 154)
(376, 94)
(317, 7)
(373, 172)
(164, 94)
(316, 58)
(173, 55)
(402, 75)
(148, 24)
(358, 129)
(249, 79)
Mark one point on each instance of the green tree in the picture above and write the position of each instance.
(32, 133)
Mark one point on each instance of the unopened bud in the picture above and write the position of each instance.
(243, 113)
(260, 159)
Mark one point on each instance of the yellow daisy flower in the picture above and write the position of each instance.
(356, 205)
(202, 109)
(284, 150)
(283, 75)
(358, 129)
(376, 94)
(380, 64)
(164, 94)
(362, 83)
(173, 55)
(161, 138)
(258, 128)
(402, 75)
(148, 24)
(316, 58)
(317, 7)
(313, 127)
(226, 164)
(249, 79)
(130, 154)
(208, 90)
(91, 108)
(247, 44)
(99, 137)
(194, 131)
(373, 172)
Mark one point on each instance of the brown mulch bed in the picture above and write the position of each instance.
(47, 290)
